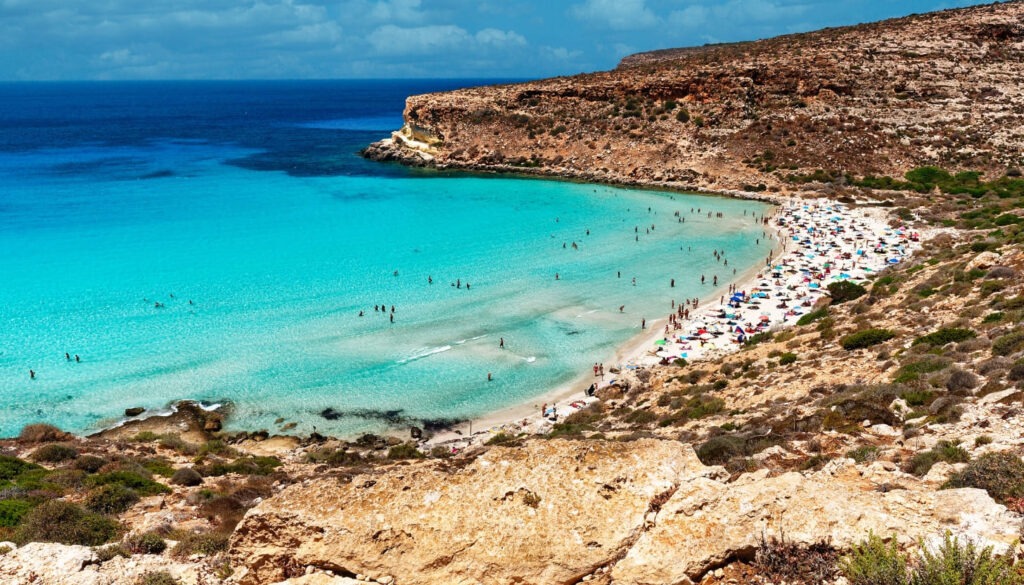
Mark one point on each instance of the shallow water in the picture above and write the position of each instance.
(195, 241)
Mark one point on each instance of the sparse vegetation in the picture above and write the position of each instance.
(866, 338)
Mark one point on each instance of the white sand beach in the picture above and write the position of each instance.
(817, 242)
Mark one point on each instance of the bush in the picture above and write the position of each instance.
(41, 433)
(864, 454)
(90, 463)
(147, 543)
(12, 511)
(66, 523)
(157, 578)
(787, 358)
(872, 562)
(844, 291)
(961, 380)
(199, 543)
(129, 479)
(54, 453)
(812, 316)
(186, 476)
(719, 450)
(1009, 343)
(405, 451)
(866, 338)
(962, 564)
(12, 468)
(948, 451)
(946, 335)
(999, 474)
(111, 499)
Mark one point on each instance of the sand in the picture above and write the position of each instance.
(817, 242)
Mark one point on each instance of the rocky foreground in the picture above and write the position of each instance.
(893, 411)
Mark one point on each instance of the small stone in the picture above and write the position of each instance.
(309, 569)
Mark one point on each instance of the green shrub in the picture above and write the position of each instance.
(872, 562)
(787, 358)
(501, 439)
(147, 543)
(157, 578)
(55, 453)
(845, 291)
(999, 474)
(864, 454)
(946, 335)
(12, 468)
(757, 338)
(336, 457)
(66, 523)
(405, 451)
(112, 498)
(993, 317)
(12, 511)
(111, 551)
(158, 466)
(719, 450)
(1009, 343)
(866, 338)
(948, 451)
(129, 479)
(912, 371)
(982, 440)
(962, 564)
(812, 316)
(199, 543)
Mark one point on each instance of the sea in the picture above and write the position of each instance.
(224, 242)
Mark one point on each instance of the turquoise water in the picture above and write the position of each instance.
(260, 274)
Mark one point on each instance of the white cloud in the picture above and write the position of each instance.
(559, 53)
(396, 40)
(616, 14)
(737, 12)
(396, 11)
(500, 38)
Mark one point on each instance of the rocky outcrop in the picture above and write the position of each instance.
(549, 512)
(881, 98)
(557, 511)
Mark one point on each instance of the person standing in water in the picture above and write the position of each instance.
(501, 343)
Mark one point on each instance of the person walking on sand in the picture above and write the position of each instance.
(600, 369)
(595, 369)
(643, 323)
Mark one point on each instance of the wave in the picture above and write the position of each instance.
(424, 352)
(530, 359)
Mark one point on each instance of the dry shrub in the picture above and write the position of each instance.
(42, 433)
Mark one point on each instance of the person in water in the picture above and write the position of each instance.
(501, 343)
(31, 374)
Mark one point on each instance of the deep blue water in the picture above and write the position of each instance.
(217, 240)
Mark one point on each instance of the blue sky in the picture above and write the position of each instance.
(271, 39)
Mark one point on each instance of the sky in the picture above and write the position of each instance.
(297, 39)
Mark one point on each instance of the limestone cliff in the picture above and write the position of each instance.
(940, 88)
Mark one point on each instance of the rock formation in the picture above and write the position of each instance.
(940, 88)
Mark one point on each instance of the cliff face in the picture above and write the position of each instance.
(941, 88)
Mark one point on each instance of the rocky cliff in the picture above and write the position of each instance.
(941, 88)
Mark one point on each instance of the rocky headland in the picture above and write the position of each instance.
(894, 411)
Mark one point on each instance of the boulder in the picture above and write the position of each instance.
(45, 563)
(707, 524)
(549, 512)
(134, 411)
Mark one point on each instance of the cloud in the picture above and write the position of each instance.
(500, 38)
(396, 11)
(737, 13)
(396, 40)
(615, 14)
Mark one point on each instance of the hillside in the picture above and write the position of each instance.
(876, 99)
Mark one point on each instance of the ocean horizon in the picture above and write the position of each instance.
(224, 242)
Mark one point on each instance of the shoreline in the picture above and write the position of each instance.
(563, 395)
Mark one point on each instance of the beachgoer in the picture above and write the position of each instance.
(556, 276)
(467, 286)
(672, 283)
(600, 369)
(396, 273)
(392, 317)
(501, 343)
(643, 323)
(489, 378)
(67, 356)
(360, 313)
(595, 369)
(430, 280)
(78, 359)
(31, 374)
(621, 307)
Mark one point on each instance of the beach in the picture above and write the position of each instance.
(816, 242)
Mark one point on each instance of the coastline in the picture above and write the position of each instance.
(561, 397)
